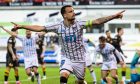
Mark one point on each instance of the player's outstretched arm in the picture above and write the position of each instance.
(108, 18)
(29, 27)
(10, 32)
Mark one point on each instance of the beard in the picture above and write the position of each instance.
(28, 36)
(72, 19)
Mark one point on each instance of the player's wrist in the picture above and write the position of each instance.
(42, 55)
(114, 16)
(21, 27)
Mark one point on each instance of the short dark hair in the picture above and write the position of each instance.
(63, 9)
(102, 39)
(118, 29)
(107, 31)
(13, 29)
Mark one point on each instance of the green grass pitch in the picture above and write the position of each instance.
(52, 76)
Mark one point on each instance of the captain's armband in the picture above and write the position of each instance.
(89, 23)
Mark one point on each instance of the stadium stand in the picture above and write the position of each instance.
(71, 2)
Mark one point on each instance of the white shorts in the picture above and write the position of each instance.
(88, 60)
(77, 68)
(30, 62)
(109, 65)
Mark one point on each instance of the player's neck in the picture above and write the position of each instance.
(119, 34)
(28, 37)
(68, 23)
(109, 36)
(12, 36)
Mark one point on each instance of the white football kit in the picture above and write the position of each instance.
(29, 51)
(72, 46)
(109, 60)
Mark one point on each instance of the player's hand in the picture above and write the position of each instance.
(2, 27)
(121, 62)
(14, 57)
(17, 26)
(17, 57)
(119, 14)
(42, 56)
(98, 64)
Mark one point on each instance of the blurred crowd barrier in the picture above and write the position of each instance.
(65, 2)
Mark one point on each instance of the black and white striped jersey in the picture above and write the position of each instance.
(28, 45)
(70, 39)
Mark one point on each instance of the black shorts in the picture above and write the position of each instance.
(10, 62)
(40, 60)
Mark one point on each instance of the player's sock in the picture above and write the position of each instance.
(36, 74)
(93, 75)
(117, 80)
(63, 80)
(17, 78)
(123, 74)
(5, 78)
(44, 71)
(38, 78)
(31, 74)
(16, 75)
(6, 75)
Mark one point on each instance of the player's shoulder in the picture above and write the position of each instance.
(80, 21)
(10, 39)
(109, 45)
(59, 23)
(116, 36)
(97, 47)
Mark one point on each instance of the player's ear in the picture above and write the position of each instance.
(64, 15)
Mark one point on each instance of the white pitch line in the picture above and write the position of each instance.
(52, 77)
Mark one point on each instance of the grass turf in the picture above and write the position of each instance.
(52, 76)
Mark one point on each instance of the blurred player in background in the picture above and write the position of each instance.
(11, 59)
(108, 37)
(30, 55)
(88, 59)
(118, 40)
(117, 43)
(134, 76)
(70, 32)
(41, 47)
(109, 62)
